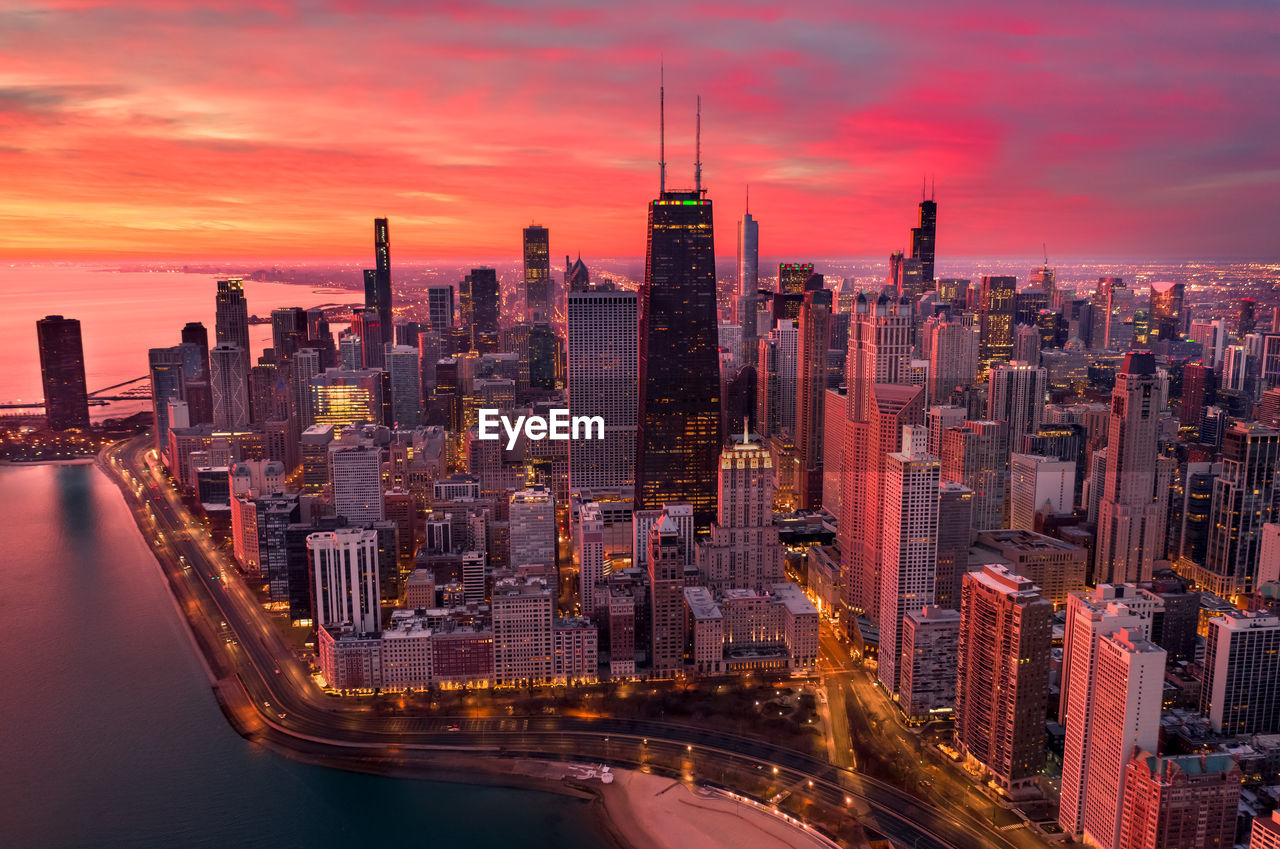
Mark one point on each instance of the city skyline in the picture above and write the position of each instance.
(1039, 130)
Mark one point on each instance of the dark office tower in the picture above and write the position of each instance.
(288, 331)
(1246, 317)
(377, 280)
(537, 273)
(1199, 387)
(906, 276)
(811, 390)
(479, 300)
(229, 370)
(231, 319)
(792, 276)
(679, 437)
(440, 307)
(544, 353)
(995, 320)
(367, 324)
(167, 384)
(923, 238)
(575, 273)
(1166, 311)
(194, 333)
(66, 400)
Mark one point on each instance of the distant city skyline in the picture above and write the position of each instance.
(471, 122)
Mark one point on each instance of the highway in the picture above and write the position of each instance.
(291, 713)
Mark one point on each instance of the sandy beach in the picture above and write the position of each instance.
(655, 812)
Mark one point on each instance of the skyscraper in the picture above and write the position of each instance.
(1130, 512)
(194, 333)
(1016, 396)
(601, 372)
(231, 319)
(1180, 801)
(977, 455)
(810, 394)
(355, 476)
(537, 273)
(367, 325)
(588, 544)
(165, 365)
(229, 367)
(742, 550)
(479, 297)
(995, 320)
(666, 560)
(344, 566)
(66, 400)
(405, 377)
(532, 522)
(748, 254)
(953, 357)
(377, 282)
(792, 276)
(1241, 689)
(909, 544)
(923, 239)
(1039, 486)
(678, 438)
(440, 307)
(1244, 499)
(1002, 681)
(1166, 310)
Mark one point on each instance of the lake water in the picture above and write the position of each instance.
(110, 735)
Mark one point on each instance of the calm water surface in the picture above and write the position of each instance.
(110, 735)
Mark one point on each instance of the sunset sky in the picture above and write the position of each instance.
(278, 129)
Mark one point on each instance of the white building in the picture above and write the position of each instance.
(1039, 485)
(532, 522)
(355, 478)
(588, 543)
(344, 567)
(909, 540)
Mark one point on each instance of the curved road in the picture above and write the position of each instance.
(296, 714)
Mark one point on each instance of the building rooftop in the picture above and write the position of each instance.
(701, 605)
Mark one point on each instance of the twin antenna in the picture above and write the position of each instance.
(662, 139)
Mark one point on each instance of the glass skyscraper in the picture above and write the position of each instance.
(66, 401)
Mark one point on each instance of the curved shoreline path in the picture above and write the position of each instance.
(269, 697)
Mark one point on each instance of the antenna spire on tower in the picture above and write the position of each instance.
(697, 164)
(932, 187)
(748, 197)
(662, 128)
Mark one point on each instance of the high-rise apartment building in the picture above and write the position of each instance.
(1016, 396)
(748, 265)
(953, 357)
(955, 534)
(440, 307)
(344, 565)
(1039, 486)
(1241, 689)
(1002, 682)
(167, 384)
(231, 317)
(1244, 499)
(666, 558)
(1266, 831)
(1131, 511)
(601, 371)
(405, 376)
(679, 439)
(194, 333)
(588, 544)
(909, 544)
(930, 643)
(977, 455)
(66, 400)
(537, 273)
(523, 620)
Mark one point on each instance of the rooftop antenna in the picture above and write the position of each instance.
(662, 129)
(1045, 248)
(697, 165)
(748, 198)
(932, 187)
(746, 432)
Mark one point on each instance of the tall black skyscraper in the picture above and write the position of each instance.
(231, 318)
(678, 439)
(537, 274)
(377, 281)
(194, 333)
(478, 296)
(66, 401)
(923, 238)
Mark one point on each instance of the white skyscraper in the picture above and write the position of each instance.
(229, 367)
(910, 543)
(1126, 696)
(1131, 514)
(1017, 397)
(344, 565)
(1039, 484)
(1091, 616)
(406, 385)
(355, 476)
(601, 373)
(588, 542)
(532, 522)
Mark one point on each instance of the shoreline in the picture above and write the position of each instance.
(613, 808)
